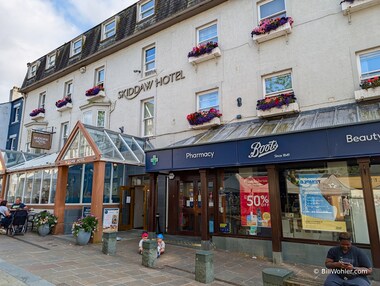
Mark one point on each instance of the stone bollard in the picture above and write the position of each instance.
(149, 254)
(204, 266)
(275, 276)
(109, 243)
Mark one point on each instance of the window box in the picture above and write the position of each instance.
(283, 110)
(100, 95)
(38, 116)
(37, 113)
(357, 5)
(95, 93)
(205, 57)
(367, 94)
(280, 31)
(213, 122)
(65, 107)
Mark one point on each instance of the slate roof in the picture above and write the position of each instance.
(167, 12)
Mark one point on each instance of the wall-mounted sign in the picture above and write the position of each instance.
(132, 92)
(40, 140)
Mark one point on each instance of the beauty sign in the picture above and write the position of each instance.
(254, 202)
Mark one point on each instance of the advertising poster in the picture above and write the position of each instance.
(110, 219)
(254, 202)
(319, 207)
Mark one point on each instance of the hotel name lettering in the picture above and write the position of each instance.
(132, 92)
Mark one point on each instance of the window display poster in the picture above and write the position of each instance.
(254, 202)
(110, 219)
(317, 212)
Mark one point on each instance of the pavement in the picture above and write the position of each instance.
(56, 260)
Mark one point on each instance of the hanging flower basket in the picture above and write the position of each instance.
(276, 101)
(201, 117)
(62, 102)
(37, 111)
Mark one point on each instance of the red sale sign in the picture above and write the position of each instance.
(254, 202)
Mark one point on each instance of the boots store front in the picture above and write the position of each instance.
(283, 196)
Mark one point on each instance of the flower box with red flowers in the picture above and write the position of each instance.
(272, 28)
(95, 93)
(278, 105)
(204, 119)
(204, 52)
(37, 113)
(370, 89)
(64, 104)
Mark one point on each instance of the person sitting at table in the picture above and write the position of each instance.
(18, 205)
(6, 217)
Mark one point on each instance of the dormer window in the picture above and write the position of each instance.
(33, 70)
(76, 46)
(146, 9)
(50, 60)
(109, 29)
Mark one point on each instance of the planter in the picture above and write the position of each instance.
(280, 31)
(43, 230)
(213, 122)
(65, 107)
(83, 237)
(367, 94)
(213, 55)
(38, 116)
(283, 110)
(99, 95)
(357, 5)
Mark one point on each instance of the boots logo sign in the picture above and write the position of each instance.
(259, 150)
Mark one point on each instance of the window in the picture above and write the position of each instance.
(16, 111)
(76, 47)
(146, 9)
(149, 60)
(64, 133)
(207, 100)
(87, 117)
(272, 9)
(33, 70)
(207, 34)
(12, 142)
(369, 64)
(109, 29)
(68, 88)
(41, 102)
(101, 119)
(277, 84)
(99, 76)
(50, 61)
(148, 117)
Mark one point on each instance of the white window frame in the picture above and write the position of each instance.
(97, 118)
(42, 100)
(149, 12)
(148, 72)
(68, 88)
(144, 119)
(200, 29)
(275, 15)
(50, 60)
(64, 133)
(98, 81)
(205, 93)
(74, 49)
(274, 75)
(33, 70)
(16, 110)
(375, 72)
(109, 33)
(87, 113)
(12, 139)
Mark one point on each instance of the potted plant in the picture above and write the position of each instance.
(62, 102)
(44, 222)
(200, 117)
(84, 228)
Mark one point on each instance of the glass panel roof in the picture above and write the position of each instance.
(79, 148)
(12, 158)
(327, 117)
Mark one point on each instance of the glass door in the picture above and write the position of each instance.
(189, 207)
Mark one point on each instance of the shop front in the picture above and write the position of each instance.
(285, 196)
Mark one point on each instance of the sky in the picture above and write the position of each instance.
(31, 29)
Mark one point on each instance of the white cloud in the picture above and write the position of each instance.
(33, 28)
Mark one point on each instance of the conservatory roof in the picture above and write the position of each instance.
(307, 120)
(10, 158)
(42, 161)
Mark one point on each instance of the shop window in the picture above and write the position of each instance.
(74, 180)
(87, 183)
(320, 202)
(272, 9)
(146, 9)
(114, 178)
(208, 33)
(76, 46)
(278, 83)
(36, 187)
(207, 100)
(148, 117)
(375, 178)
(149, 60)
(243, 203)
(369, 64)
